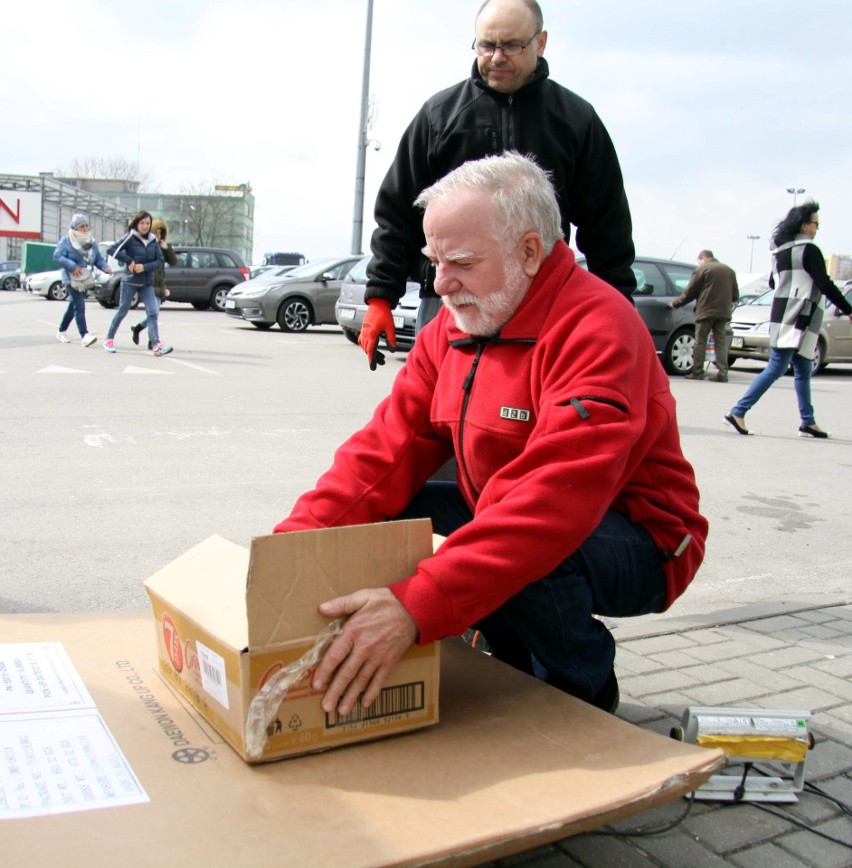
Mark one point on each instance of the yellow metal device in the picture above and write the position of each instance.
(777, 740)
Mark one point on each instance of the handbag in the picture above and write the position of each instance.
(83, 283)
(120, 270)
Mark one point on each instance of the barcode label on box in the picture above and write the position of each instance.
(213, 678)
(401, 699)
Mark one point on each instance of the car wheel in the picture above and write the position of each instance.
(351, 336)
(819, 355)
(57, 292)
(218, 296)
(136, 301)
(294, 315)
(678, 355)
(201, 305)
(108, 303)
(263, 326)
(10, 284)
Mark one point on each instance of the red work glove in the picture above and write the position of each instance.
(377, 320)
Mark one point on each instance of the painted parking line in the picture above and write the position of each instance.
(192, 365)
(132, 369)
(58, 369)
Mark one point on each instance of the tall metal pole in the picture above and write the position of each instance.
(752, 238)
(360, 171)
(796, 191)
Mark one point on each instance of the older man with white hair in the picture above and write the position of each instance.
(572, 496)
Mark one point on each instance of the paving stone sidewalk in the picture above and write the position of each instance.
(781, 657)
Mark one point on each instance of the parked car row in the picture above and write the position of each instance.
(299, 298)
(331, 291)
(202, 277)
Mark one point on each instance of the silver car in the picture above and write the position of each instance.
(48, 284)
(10, 274)
(750, 324)
(296, 299)
(351, 307)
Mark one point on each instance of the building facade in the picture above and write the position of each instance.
(223, 217)
(40, 207)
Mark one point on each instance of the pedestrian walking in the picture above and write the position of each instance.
(714, 284)
(161, 230)
(139, 251)
(76, 254)
(801, 286)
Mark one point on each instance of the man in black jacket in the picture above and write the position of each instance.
(508, 103)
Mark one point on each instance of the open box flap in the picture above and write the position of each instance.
(290, 574)
(207, 584)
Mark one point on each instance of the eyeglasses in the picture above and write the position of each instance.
(507, 49)
(813, 223)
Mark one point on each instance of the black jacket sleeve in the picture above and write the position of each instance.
(398, 239)
(599, 209)
(814, 264)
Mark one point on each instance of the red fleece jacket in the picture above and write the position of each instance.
(566, 414)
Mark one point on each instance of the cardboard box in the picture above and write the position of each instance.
(228, 619)
(513, 764)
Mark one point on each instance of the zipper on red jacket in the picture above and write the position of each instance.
(467, 385)
(583, 413)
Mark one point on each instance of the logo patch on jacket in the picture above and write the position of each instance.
(515, 413)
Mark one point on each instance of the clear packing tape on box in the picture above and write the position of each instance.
(264, 706)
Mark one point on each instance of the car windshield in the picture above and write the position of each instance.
(765, 299)
(359, 271)
(312, 268)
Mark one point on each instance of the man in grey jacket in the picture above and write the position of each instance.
(714, 284)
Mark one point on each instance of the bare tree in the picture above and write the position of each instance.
(210, 214)
(110, 168)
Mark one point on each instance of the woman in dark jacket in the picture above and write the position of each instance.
(161, 230)
(139, 251)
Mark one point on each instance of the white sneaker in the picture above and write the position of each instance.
(62, 337)
(89, 339)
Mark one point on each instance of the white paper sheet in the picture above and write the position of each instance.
(56, 752)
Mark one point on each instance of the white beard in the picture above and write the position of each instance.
(486, 316)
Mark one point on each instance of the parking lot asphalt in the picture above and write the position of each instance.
(114, 465)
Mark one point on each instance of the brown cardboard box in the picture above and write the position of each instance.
(228, 619)
(513, 764)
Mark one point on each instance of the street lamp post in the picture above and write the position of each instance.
(360, 171)
(752, 238)
(796, 192)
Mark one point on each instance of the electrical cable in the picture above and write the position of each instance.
(802, 824)
(644, 833)
(748, 767)
(817, 791)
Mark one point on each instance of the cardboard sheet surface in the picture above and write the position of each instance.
(513, 764)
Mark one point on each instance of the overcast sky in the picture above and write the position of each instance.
(715, 108)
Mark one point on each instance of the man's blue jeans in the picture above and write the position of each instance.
(547, 629)
(152, 310)
(779, 361)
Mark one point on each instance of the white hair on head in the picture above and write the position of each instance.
(522, 196)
